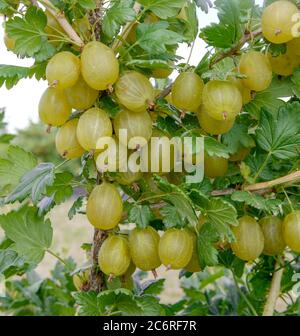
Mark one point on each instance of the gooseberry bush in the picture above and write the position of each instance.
(234, 236)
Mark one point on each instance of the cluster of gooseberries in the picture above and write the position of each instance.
(76, 82)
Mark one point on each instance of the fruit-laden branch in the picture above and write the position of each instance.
(274, 291)
(235, 50)
(61, 19)
(219, 57)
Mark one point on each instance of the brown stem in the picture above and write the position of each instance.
(95, 18)
(96, 280)
(61, 19)
(235, 50)
(291, 178)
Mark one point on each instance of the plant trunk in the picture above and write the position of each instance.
(96, 281)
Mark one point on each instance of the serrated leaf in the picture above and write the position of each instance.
(76, 206)
(28, 32)
(238, 138)
(88, 304)
(207, 252)
(163, 8)
(33, 184)
(279, 134)
(153, 287)
(10, 75)
(215, 148)
(116, 16)
(31, 234)
(8, 258)
(87, 4)
(155, 37)
(14, 166)
(256, 201)
(140, 215)
(171, 217)
(61, 189)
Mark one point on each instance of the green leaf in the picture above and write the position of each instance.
(141, 215)
(33, 184)
(256, 201)
(29, 32)
(184, 207)
(214, 148)
(31, 234)
(8, 258)
(153, 287)
(207, 253)
(190, 20)
(279, 134)
(229, 30)
(10, 75)
(116, 16)
(76, 206)
(220, 70)
(88, 304)
(238, 138)
(163, 8)
(87, 4)
(270, 98)
(61, 189)
(155, 37)
(14, 166)
(221, 215)
(171, 217)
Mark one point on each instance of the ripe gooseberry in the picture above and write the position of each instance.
(66, 141)
(135, 92)
(175, 248)
(92, 125)
(143, 244)
(187, 91)
(291, 231)
(63, 70)
(114, 256)
(222, 100)
(99, 66)
(249, 237)
(54, 108)
(104, 207)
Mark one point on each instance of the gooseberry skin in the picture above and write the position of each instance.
(63, 70)
(222, 100)
(104, 207)
(175, 249)
(81, 279)
(93, 125)
(285, 64)
(245, 92)
(66, 141)
(161, 72)
(249, 236)
(135, 91)
(211, 125)
(293, 47)
(81, 96)
(114, 256)
(99, 65)
(277, 21)
(240, 155)
(187, 91)
(136, 124)
(257, 69)
(129, 178)
(54, 108)
(193, 266)
(143, 244)
(291, 231)
(215, 166)
(273, 235)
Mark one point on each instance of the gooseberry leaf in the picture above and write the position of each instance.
(141, 215)
(163, 8)
(279, 134)
(237, 138)
(31, 234)
(60, 190)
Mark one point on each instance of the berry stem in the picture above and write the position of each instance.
(274, 291)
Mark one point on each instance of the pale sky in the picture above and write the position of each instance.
(22, 100)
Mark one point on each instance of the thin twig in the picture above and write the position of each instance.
(61, 19)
